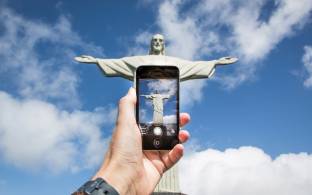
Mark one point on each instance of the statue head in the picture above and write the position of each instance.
(157, 45)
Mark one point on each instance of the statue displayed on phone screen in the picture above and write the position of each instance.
(158, 106)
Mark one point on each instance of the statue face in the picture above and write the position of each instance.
(157, 44)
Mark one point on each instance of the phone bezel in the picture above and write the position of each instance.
(147, 72)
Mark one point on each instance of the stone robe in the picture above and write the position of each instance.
(126, 67)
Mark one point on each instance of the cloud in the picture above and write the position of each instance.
(170, 119)
(38, 57)
(41, 124)
(143, 115)
(141, 44)
(183, 36)
(36, 134)
(191, 93)
(257, 37)
(307, 62)
(246, 29)
(163, 86)
(254, 37)
(244, 171)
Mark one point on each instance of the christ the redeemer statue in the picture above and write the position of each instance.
(126, 67)
(158, 106)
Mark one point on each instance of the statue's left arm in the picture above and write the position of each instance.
(202, 69)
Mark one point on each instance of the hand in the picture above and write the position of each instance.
(86, 59)
(128, 168)
(226, 60)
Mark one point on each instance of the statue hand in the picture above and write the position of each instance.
(226, 60)
(86, 59)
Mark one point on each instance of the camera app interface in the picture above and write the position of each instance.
(158, 109)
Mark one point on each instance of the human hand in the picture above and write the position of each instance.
(128, 168)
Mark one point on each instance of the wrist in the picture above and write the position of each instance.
(115, 177)
(98, 186)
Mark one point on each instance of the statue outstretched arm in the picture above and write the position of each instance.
(203, 69)
(147, 96)
(110, 67)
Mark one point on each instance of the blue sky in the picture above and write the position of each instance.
(56, 115)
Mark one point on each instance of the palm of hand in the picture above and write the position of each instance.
(155, 163)
(126, 167)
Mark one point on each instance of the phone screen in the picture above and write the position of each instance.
(158, 106)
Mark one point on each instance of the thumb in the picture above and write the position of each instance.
(126, 108)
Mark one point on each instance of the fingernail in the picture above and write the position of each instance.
(131, 90)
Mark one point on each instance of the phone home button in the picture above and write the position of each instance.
(156, 143)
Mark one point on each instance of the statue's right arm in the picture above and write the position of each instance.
(147, 96)
(110, 67)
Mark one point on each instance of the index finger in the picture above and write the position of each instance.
(184, 119)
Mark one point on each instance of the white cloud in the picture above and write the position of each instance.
(38, 57)
(170, 119)
(163, 86)
(191, 92)
(251, 36)
(213, 28)
(245, 171)
(142, 44)
(185, 37)
(37, 130)
(256, 37)
(307, 62)
(182, 33)
(143, 115)
(36, 134)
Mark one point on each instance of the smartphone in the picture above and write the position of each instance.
(157, 108)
